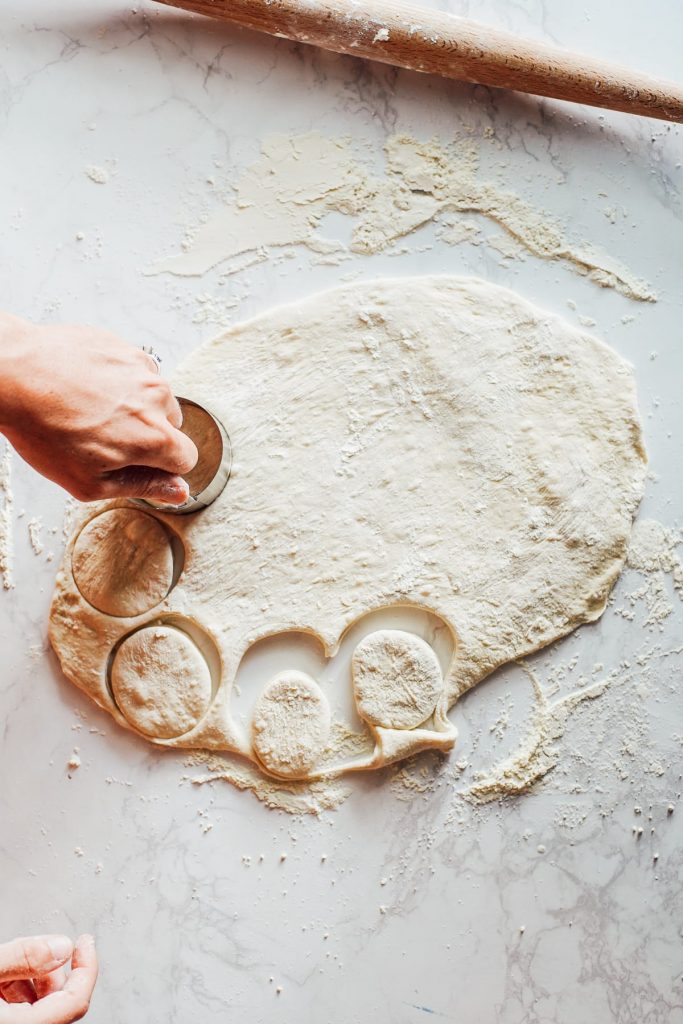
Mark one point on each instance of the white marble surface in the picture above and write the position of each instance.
(418, 909)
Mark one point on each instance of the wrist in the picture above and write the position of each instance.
(15, 345)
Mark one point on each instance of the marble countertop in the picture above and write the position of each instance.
(402, 905)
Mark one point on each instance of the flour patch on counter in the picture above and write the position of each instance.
(283, 198)
(653, 548)
(297, 798)
(371, 477)
(35, 531)
(98, 175)
(538, 753)
(653, 554)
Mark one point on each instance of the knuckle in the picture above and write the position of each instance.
(27, 955)
(148, 443)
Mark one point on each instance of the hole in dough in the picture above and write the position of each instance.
(396, 679)
(160, 681)
(123, 562)
(291, 725)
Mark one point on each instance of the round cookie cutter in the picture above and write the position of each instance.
(212, 471)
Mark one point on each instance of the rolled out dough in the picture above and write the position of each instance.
(436, 443)
(160, 682)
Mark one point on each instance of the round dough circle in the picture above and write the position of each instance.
(122, 562)
(291, 725)
(161, 682)
(396, 678)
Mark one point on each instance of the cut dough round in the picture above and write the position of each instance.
(396, 678)
(291, 725)
(122, 562)
(160, 681)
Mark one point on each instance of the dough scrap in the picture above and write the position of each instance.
(123, 562)
(397, 679)
(291, 724)
(436, 443)
(161, 682)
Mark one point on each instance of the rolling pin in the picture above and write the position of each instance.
(442, 44)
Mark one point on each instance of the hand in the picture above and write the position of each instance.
(91, 413)
(34, 986)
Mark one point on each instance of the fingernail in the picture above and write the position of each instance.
(86, 940)
(176, 491)
(60, 947)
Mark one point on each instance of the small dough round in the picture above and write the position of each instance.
(291, 725)
(122, 562)
(396, 678)
(161, 682)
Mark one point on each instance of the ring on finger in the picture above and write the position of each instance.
(148, 350)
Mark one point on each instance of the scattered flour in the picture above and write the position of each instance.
(283, 197)
(653, 553)
(71, 507)
(292, 797)
(97, 174)
(537, 754)
(35, 529)
(652, 548)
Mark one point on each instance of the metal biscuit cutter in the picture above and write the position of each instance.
(212, 471)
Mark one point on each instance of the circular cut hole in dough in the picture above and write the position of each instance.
(122, 562)
(161, 682)
(396, 678)
(291, 724)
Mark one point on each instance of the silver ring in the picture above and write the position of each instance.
(148, 350)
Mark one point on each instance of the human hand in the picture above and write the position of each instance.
(34, 986)
(91, 413)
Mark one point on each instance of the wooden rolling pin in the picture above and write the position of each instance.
(443, 44)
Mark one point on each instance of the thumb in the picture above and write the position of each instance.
(142, 482)
(29, 958)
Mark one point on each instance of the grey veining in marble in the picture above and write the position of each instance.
(399, 907)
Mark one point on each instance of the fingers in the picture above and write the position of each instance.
(170, 450)
(178, 455)
(175, 413)
(32, 957)
(163, 392)
(141, 482)
(18, 992)
(53, 982)
(73, 1001)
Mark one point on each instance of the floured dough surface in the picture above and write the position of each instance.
(161, 682)
(397, 679)
(291, 725)
(123, 562)
(434, 443)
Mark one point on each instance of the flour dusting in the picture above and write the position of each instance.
(537, 754)
(35, 530)
(283, 198)
(293, 797)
